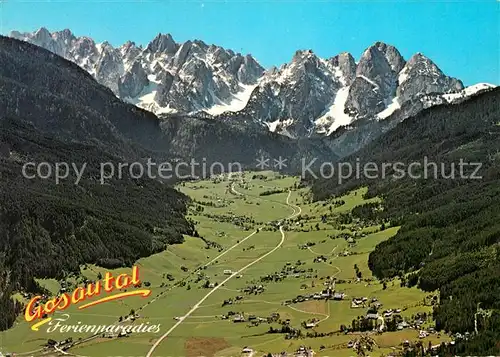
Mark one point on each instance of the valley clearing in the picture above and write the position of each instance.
(271, 272)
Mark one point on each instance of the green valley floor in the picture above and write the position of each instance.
(253, 280)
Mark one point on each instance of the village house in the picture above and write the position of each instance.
(304, 352)
(422, 334)
(338, 296)
(238, 318)
(357, 301)
(310, 324)
(326, 294)
(247, 350)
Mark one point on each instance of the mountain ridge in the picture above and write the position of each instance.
(307, 96)
(60, 98)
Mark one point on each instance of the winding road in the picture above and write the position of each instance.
(296, 211)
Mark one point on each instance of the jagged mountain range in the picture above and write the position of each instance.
(163, 77)
(308, 96)
(60, 99)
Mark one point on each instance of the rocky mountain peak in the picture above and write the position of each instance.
(249, 70)
(391, 53)
(162, 43)
(302, 54)
(309, 94)
(421, 75)
(423, 62)
(42, 35)
(374, 84)
(347, 64)
(373, 64)
(85, 48)
(65, 35)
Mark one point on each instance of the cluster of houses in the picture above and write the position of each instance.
(310, 323)
(326, 294)
(231, 300)
(247, 351)
(254, 289)
(289, 270)
(386, 314)
(358, 302)
(238, 318)
(253, 319)
(302, 351)
(394, 315)
(306, 245)
(432, 349)
(61, 345)
(243, 221)
(353, 344)
(320, 259)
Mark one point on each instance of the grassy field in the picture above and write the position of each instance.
(228, 219)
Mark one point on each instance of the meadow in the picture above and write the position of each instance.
(237, 219)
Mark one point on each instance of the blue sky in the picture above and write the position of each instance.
(462, 37)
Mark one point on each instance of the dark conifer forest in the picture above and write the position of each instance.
(49, 229)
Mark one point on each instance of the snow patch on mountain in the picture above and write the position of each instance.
(370, 81)
(335, 115)
(146, 99)
(391, 108)
(468, 91)
(281, 126)
(235, 103)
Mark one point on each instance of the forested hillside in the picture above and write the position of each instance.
(228, 142)
(450, 232)
(49, 229)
